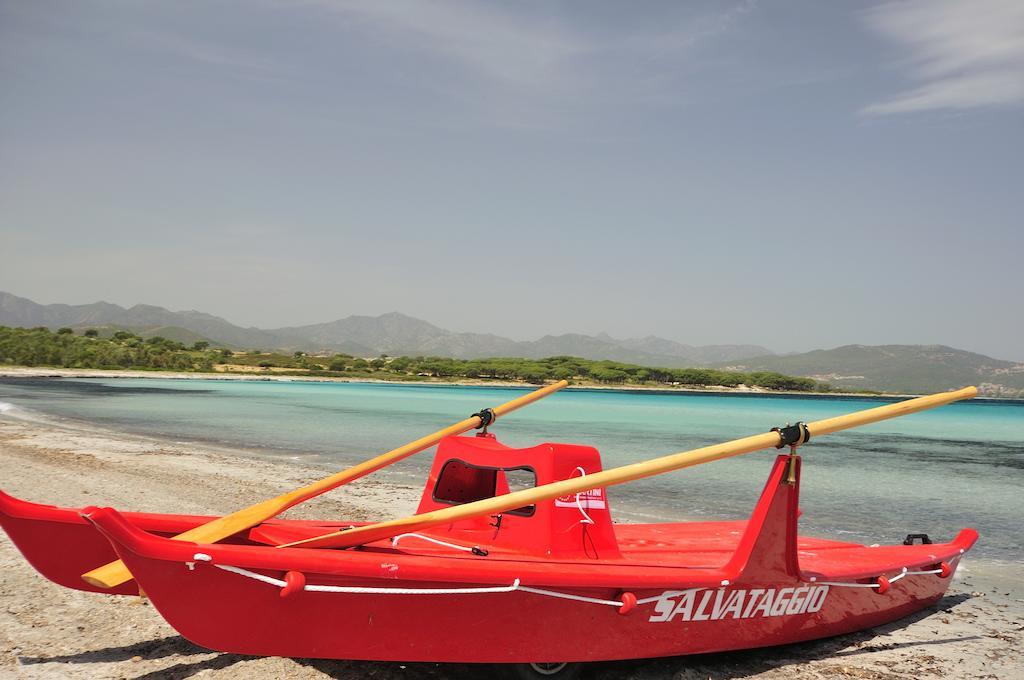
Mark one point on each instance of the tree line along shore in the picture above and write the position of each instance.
(66, 348)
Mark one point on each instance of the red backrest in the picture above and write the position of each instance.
(470, 468)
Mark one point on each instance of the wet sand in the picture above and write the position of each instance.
(47, 631)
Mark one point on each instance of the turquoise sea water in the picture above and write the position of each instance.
(932, 472)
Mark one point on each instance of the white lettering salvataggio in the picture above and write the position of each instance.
(700, 604)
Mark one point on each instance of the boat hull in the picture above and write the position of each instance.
(303, 602)
(62, 545)
(225, 611)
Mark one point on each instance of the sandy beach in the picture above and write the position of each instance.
(51, 632)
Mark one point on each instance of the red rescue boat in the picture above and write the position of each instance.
(550, 582)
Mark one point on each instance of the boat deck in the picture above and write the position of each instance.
(704, 546)
(698, 544)
(709, 545)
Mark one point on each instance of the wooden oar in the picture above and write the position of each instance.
(619, 475)
(116, 573)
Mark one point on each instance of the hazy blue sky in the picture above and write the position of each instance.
(794, 174)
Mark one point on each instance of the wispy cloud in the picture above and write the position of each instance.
(492, 41)
(527, 50)
(964, 55)
(205, 52)
(700, 29)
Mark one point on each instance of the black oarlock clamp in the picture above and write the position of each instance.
(792, 436)
(486, 416)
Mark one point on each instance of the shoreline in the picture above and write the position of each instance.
(46, 372)
(48, 632)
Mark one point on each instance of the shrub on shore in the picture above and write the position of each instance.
(42, 347)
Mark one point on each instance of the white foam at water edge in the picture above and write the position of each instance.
(5, 407)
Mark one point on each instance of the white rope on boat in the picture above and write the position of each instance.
(396, 539)
(916, 573)
(362, 590)
(903, 574)
(579, 504)
(515, 586)
(270, 580)
(202, 557)
(568, 596)
(845, 585)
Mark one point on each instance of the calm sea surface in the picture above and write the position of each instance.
(932, 472)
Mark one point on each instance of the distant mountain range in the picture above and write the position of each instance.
(393, 334)
(19, 311)
(893, 368)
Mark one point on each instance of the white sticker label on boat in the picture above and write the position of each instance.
(592, 498)
(701, 604)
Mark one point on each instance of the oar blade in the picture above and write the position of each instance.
(116, 573)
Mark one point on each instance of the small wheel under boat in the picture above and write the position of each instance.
(540, 671)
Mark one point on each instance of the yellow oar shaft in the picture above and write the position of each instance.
(620, 475)
(116, 573)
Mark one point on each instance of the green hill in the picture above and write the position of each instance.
(174, 333)
(897, 368)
